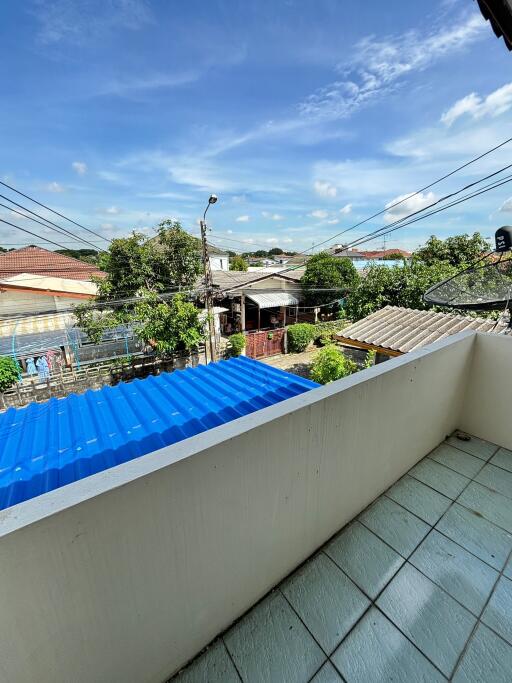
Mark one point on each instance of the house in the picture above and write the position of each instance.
(393, 330)
(342, 251)
(219, 258)
(363, 527)
(39, 261)
(382, 254)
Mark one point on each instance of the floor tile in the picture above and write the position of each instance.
(503, 459)
(491, 505)
(426, 503)
(271, 644)
(476, 534)
(326, 600)
(463, 463)
(427, 615)
(477, 447)
(508, 569)
(439, 477)
(462, 575)
(365, 558)
(395, 525)
(213, 666)
(498, 613)
(327, 674)
(496, 479)
(488, 659)
(377, 651)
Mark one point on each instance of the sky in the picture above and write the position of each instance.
(303, 116)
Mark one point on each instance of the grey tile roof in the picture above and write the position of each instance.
(405, 329)
(228, 279)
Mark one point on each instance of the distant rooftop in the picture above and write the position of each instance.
(240, 279)
(399, 330)
(39, 261)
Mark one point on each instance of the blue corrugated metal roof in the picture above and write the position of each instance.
(48, 445)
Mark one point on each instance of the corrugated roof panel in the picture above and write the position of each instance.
(273, 299)
(48, 445)
(404, 329)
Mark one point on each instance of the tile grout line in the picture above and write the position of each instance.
(231, 659)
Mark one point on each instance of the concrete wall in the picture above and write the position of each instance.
(126, 575)
(28, 302)
(487, 408)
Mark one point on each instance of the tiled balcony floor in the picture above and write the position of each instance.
(417, 588)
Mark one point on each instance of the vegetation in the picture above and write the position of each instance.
(324, 271)
(237, 342)
(299, 336)
(369, 361)
(86, 255)
(393, 256)
(140, 268)
(238, 263)
(10, 372)
(331, 364)
(458, 251)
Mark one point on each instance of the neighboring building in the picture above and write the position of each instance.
(29, 293)
(381, 254)
(219, 259)
(340, 250)
(42, 262)
(393, 330)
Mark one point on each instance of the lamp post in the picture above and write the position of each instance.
(208, 281)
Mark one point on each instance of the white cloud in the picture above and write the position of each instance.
(346, 209)
(229, 232)
(243, 219)
(506, 207)
(286, 240)
(324, 189)
(409, 203)
(54, 187)
(272, 216)
(333, 221)
(319, 213)
(272, 240)
(496, 103)
(80, 167)
(107, 226)
(113, 210)
(380, 66)
(249, 240)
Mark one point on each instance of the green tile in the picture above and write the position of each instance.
(426, 503)
(496, 479)
(327, 674)
(477, 447)
(326, 600)
(365, 558)
(271, 644)
(376, 651)
(439, 477)
(488, 659)
(456, 460)
(491, 505)
(503, 459)
(462, 575)
(395, 525)
(508, 569)
(428, 616)
(213, 666)
(476, 534)
(498, 613)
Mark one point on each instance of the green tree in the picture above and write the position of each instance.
(275, 251)
(400, 285)
(331, 364)
(10, 372)
(324, 271)
(458, 250)
(238, 263)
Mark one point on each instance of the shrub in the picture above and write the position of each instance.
(330, 364)
(324, 332)
(369, 361)
(237, 342)
(10, 372)
(299, 336)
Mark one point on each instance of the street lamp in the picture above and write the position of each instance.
(208, 280)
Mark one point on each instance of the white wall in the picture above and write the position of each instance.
(126, 575)
(219, 262)
(487, 410)
(27, 302)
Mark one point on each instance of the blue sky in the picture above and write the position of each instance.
(302, 116)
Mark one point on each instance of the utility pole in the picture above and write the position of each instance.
(208, 283)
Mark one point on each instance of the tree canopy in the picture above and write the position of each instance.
(324, 271)
(238, 263)
(458, 250)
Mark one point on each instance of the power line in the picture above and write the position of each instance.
(46, 224)
(31, 233)
(53, 211)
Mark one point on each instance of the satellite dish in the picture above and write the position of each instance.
(486, 285)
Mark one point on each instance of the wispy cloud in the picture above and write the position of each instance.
(409, 203)
(324, 189)
(495, 104)
(345, 210)
(54, 187)
(319, 213)
(380, 66)
(506, 207)
(80, 167)
(243, 219)
(272, 216)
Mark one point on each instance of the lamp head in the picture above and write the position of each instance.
(212, 199)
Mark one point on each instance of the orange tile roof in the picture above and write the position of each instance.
(40, 261)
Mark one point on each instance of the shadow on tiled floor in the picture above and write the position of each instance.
(417, 588)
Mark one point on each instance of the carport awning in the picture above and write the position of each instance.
(274, 299)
